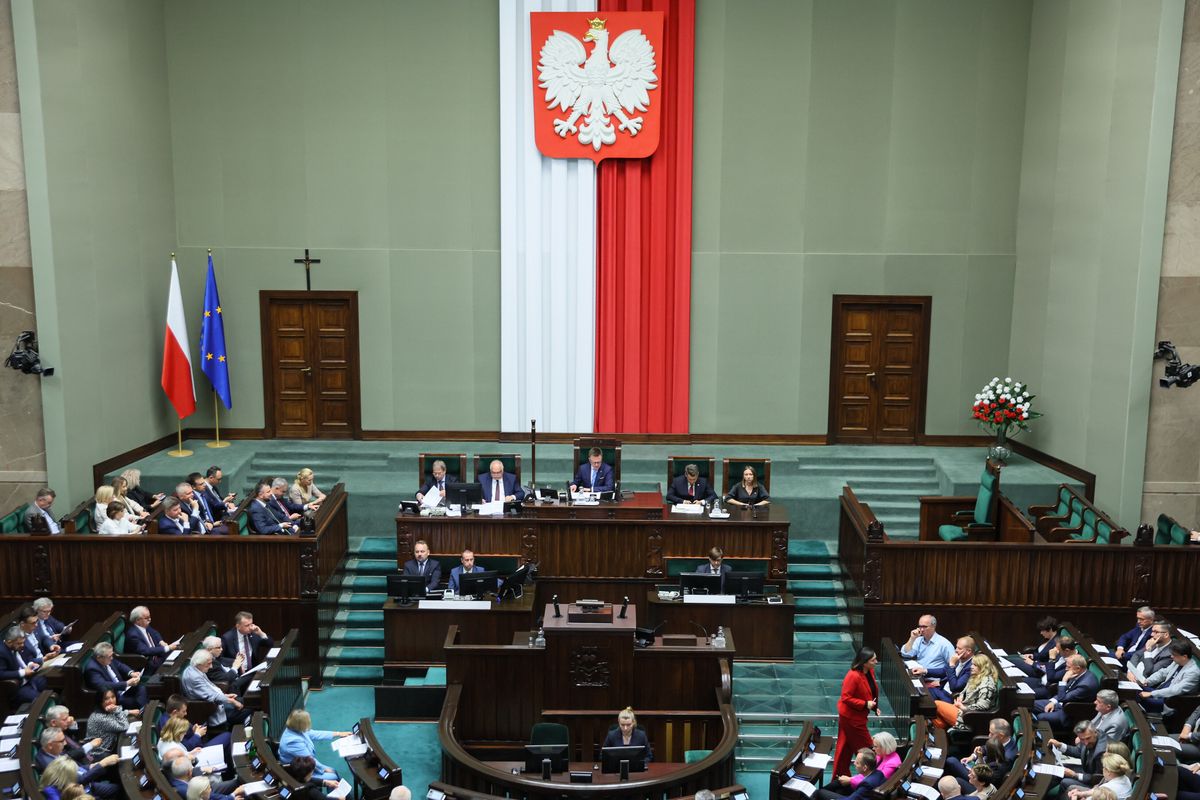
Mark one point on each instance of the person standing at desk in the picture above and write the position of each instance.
(421, 564)
(594, 475)
(628, 734)
(748, 491)
(690, 488)
(714, 566)
(500, 485)
(468, 566)
(436, 480)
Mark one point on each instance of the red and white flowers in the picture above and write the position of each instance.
(1004, 404)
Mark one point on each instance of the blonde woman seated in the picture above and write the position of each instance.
(118, 522)
(888, 761)
(1116, 780)
(748, 491)
(172, 735)
(134, 508)
(304, 491)
(104, 496)
(133, 479)
(982, 693)
(58, 776)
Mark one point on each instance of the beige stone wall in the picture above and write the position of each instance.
(1173, 442)
(22, 437)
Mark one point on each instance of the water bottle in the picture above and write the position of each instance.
(532, 634)
(719, 638)
(540, 641)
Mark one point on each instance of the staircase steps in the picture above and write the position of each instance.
(354, 642)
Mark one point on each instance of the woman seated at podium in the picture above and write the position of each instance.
(748, 491)
(628, 734)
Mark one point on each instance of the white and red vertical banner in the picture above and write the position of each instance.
(596, 271)
(177, 363)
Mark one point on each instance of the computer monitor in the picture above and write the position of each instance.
(744, 584)
(464, 494)
(535, 753)
(477, 584)
(406, 587)
(611, 758)
(512, 585)
(700, 583)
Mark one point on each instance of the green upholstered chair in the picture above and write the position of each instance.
(511, 461)
(549, 733)
(14, 521)
(732, 468)
(679, 566)
(456, 467)
(1055, 514)
(610, 450)
(707, 465)
(982, 518)
(692, 756)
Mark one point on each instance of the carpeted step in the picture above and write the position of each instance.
(808, 550)
(354, 675)
(848, 474)
(369, 637)
(859, 457)
(874, 494)
(820, 622)
(815, 588)
(826, 605)
(887, 481)
(893, 505)
(811, 571)
(371, 566)
(365, 583)
(377, 547)
(366, 656)
(362, 600)
(359, 619)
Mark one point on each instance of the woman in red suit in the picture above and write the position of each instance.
(860, 696)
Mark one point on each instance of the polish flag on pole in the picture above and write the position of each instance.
(177, 364)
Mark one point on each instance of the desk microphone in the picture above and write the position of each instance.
(624, 608)
(557, 612)
(700, 627)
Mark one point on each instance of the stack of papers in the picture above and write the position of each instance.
(801, 785)
(926, 771)
(342, 790)
(1166, 741)
(1130, 685)
(10, 730)
(128, 752)
(1099, 648)
(134, 727)
(73, 648)
(212, 756)
(694, 509)
(15, 719)
(1023, 688)
(816, 760)
(240, 748)
(10, 764)
(274, 651)
(349, 747)
(257, 787)
(1049, 769)
(171, 656)
(921, 790)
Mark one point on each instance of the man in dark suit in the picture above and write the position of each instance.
(1135, 639)
(212, 508)
(436, 480)
(262, 520)
(690, 487)
(593, 475)
(1088, 749)
(1154, 655)
(421, 564)
(80, 752)
(17, 664)
(144, 641)
(282, 505)
(197, 509)
(175, 521)
(999, 731)
(1078, 685)
(35, 643)
(212, 492)
(958, 671)
(53, 742)
(105, 671)
(468, 566)
(245, 639)
(505, 482)
(715, 565)
(865, 762)
(51, 629)
(40, 514)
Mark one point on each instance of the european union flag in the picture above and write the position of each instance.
(213, 360)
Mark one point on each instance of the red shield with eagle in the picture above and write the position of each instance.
(597, 85)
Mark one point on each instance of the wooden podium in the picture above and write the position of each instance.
(589, 665)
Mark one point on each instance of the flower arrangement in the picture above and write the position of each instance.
(1003, 405)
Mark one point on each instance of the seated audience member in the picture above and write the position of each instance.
(998, 752)
(1154, 655)
(105, 671)
(175, 521)
(181, 772)
(302, 769)
(979, 776)
(870, 777)
(1040, 653)
(247, 640)
(225, 671)
(262, 519)
(280, 504)
(1078, 685)
(36, 644)
(467, 566)
(143, 640)
(948, 787)
(121, 492)
(298, 740)
(1135, 639)
(107, 723)
(58, 777)
(197, 735)
(715, 565)
(1047, 676)
(436, 480)
(400, 793)
(1110, 722)
(593, 475)
(198, 510)
(304, 492)
(748, 491)
(197, 686)
(1189, 781)
(60, 717)
(18, 664)
(212, 509)
(928, 648)
(1189, 738)
(982, 693)
(500, 485)
(92, 776)
(690, 488)
(40, 514)
(887, 761)
(117, 522)
(212, 491)
(422, 564)
(133, 488)
(1089, 750)
(103, 496)
(1115, 771)
(958, 672)
(626, 733)
(1182, 677)
(51, 628)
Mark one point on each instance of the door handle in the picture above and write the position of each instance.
(871, 375)
(307, 370)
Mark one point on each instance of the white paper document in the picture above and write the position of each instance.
(257, 787)
(10, 730)
(1099, 648)
(134, 727)
(57, 661)
(128, 752)
(695, 509)
(921, 790)
(345, 742)
(800, 785)
(933, 753)
(9, 744)
(432, 498)
(1013, 672)
(1049, 769)
(912, 664)
(240, 748)
(918, 683)
(10, 764)
(253, 687)
(353, 751)
(1000, 652)
(212, 756)
(494, 508)
(710, 599)
(817, 760)
(1166, 741)
(1130, 685)
(1023, 688)
(73, 648)
(13, 719)
(174, 654)
(455, 605)
(259, 667)
(274, 651)
(1116, 662)
(926, 771)
(342, 790)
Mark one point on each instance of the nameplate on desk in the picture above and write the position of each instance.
(710, 599)
(454, 605)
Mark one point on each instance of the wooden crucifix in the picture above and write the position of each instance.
(307, 262)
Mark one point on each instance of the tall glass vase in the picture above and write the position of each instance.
(1000, 451)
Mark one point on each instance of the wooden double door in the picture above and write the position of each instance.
(310, 365)
(879, 368)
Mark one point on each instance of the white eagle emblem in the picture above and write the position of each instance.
(592, 87)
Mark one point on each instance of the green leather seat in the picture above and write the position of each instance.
(692, 756)
(14, 521)
(983, 504)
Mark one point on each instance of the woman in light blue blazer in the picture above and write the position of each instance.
(299, 740)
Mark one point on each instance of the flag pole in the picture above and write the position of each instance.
(179, 452)
(216, 423)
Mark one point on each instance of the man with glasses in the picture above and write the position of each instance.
(928, 648)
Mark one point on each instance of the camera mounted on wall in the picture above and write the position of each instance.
(24, 356)
(1176, 372)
